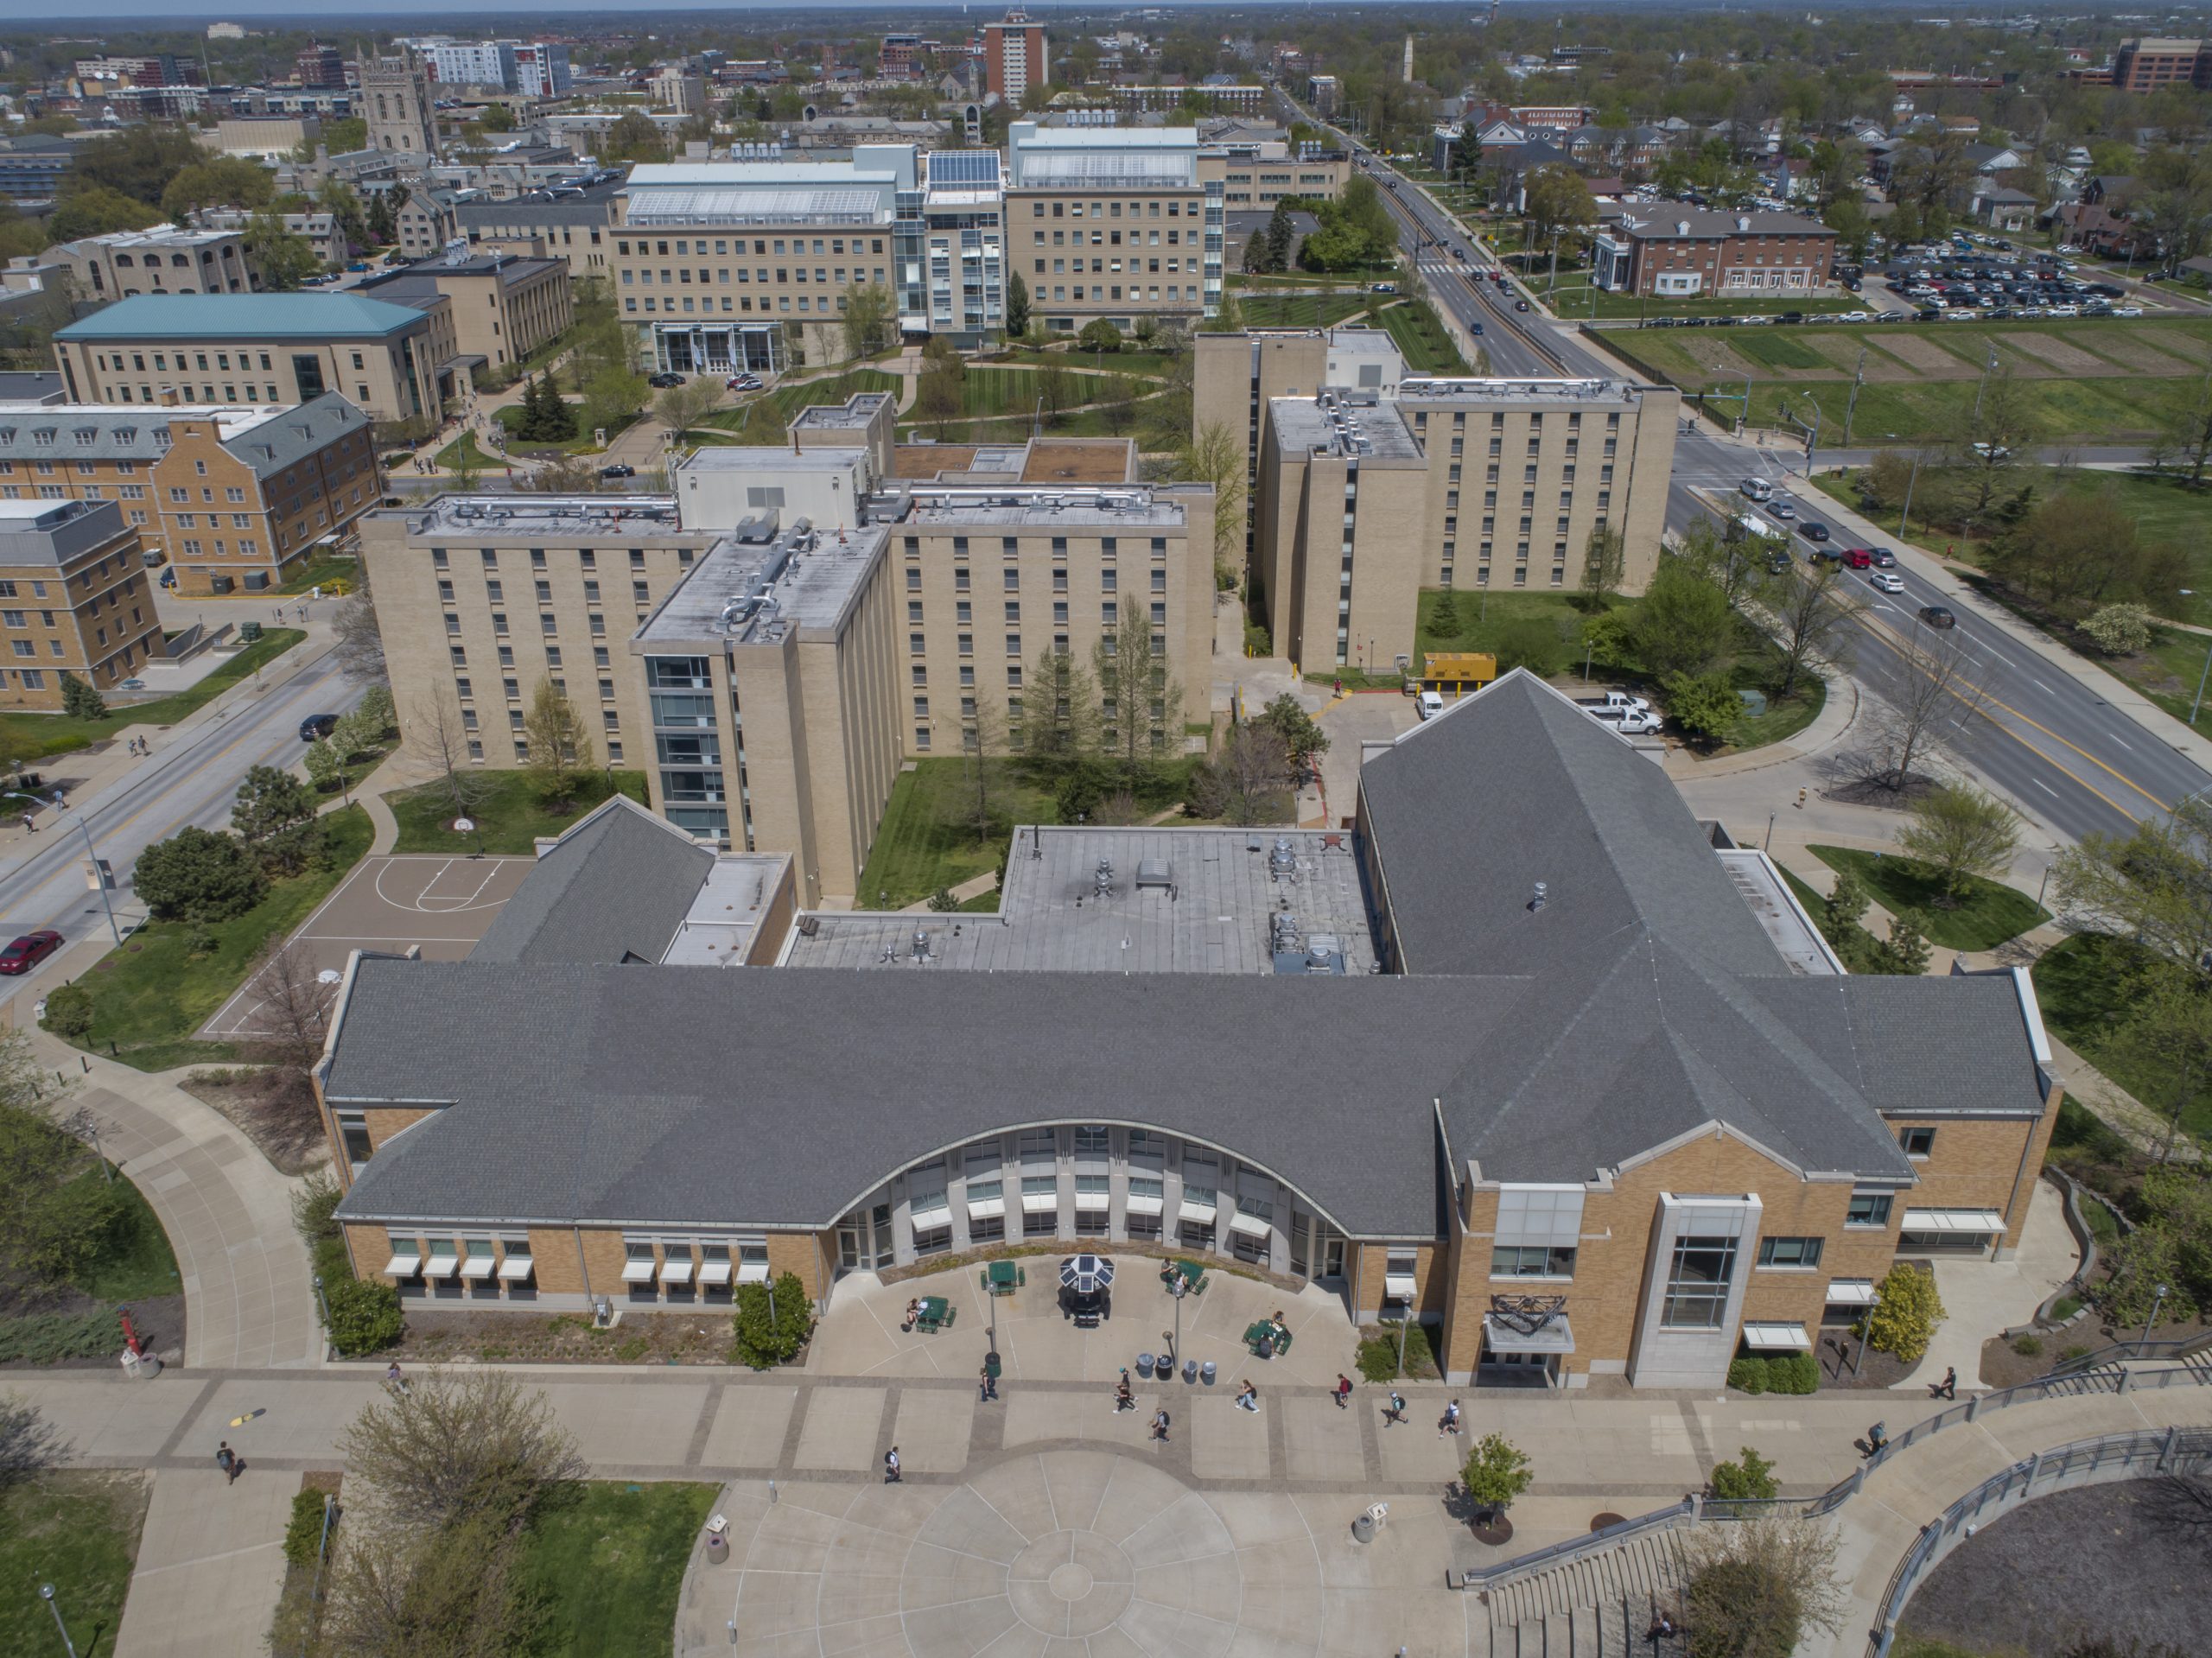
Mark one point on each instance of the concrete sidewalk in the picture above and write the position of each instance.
(211, 1564)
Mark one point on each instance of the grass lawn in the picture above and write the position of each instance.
(610, 1563)
(79, 1531)
(763, 419)
(1300, 310)
(509, 817)
(1990, 913)
(149, 996)
(58, 734)
(927, 839)
(334, 573)
(1575, 299)
(464, 451)
(1485, 618)
(1130, 360)
(2085, 986)
(509, 416)
(1422, 339)
(137, 1262)
(1782, 719)
(1013, 428)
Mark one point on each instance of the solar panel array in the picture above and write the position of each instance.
(964, 166)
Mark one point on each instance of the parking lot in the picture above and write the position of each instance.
(439, 905)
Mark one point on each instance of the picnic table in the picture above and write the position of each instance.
(1265, 1338)
(1003, 1277)
(1193, 1273)
(936, 1313)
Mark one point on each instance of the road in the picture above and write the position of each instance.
(2054, 745)
(191, 776)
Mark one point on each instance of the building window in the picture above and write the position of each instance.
(1790, 1252)
(1918, 1142)
(1868, 1208)
(353, 1129)
(1697, 1283)
(1532, 1261)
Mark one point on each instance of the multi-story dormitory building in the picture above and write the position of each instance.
(1554, 1065)
(74, 599)
(1367, 486)
(770, 642)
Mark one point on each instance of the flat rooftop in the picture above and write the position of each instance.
(856, 410)
(727, 913)
(1177, 900)
(1792, 930)
(637, 518)
(1466, 387)
(926, 460)
(1347, 425)
(1077, 460)
(1029, 507)
(755, 585)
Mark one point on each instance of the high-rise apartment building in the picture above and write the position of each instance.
(2152, 65)
(541, 69)
(1015, 57)
(321, 68)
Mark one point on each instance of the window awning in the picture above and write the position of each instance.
(440, 1266)
(1253, 1226)
(515, 1267)
(752, 1271)
(1777, 1338)
(1954, 1220)
(1141, 1204)
(714, 1272)
(638, 1269)
(1398, 1286)
(1039, 1203)
(477, 1266)
(1556, 1336)
(932, 1210)
(1191, 1211)
(677, 1269)
(983, 1209)
(1097, 1202)
(404, 1263)
(1851, 1292)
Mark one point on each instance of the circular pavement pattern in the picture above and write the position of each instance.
(1061, 1554)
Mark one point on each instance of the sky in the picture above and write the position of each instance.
(635, 16)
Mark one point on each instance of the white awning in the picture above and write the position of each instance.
(1141, 1204)
(515, 1267)
(1851, 1292)
(638, 1269)
(1398, 1286)
(1201, 1212)
(404, 1264)
(477, 1266)
(714, 1272)
(1777, 1338)
(752, 1271)
(1954, 1220)
(1555, 1336)
(1099, 1202)
(1253, 1226)
(930, 1211)
(983, 1209)
(676, 1270)
(1039, 1203)
(440, 1266)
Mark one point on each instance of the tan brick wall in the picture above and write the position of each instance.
(1136, 289)
(384, 1122)
(1976, 1164)
(369, 1247)
(603, 1256)
(802, 1253)
(553, 1251)
(1431, 1275)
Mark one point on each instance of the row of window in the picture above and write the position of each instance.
(696, 246)
(824, 276)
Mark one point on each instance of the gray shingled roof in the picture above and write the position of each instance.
(616, 887)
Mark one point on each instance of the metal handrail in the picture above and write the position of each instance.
(1486, 1577)
(2116, 1352)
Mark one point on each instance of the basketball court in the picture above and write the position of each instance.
(439, 905)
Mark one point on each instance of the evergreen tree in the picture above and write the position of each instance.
(1017, 305)
(1280, 233)
(79, 701)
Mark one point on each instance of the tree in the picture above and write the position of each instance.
(1215, 456)
(52, 1223)
(1495, 1472)
(611, 395)
(1056, 391)
(1750, 1478)
(1017, 305)
(1530, 642)
(1905, 951)
(982, 740)
(1604, 565)
(868, 316)
(1931, 699)
(325, 769)
(137, 161)
(1755, 1588)
(680, 408)
(274, 816)
(634, 137)
(360, 640)
(1445, 618)
(1840, 915)
(1684, 625)
(547, 417)
(1282, 235)
(282, 257)
(1960, 833)
(1558, 201)
(1099, 336)
(1705, 705)
(455, 1446)
(560, 748)
(294, 1016)
(221, 181)
(767, 1330)
(1810, 607)
(98, 211)
(1245, 783)
(442, 739)
(2166, 1041)
(1906, 1312)
(1061, 722)
(1303, 740)
(1140, 705)
(79, 701)
(937, 396)
(562, 474)
(1255, 260)
(2000, 423)
(2121, 630)
(199, 875)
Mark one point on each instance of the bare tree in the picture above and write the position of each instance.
(1060, 704)
(1810, 607)
(681, 407)
(458, 1592)
(1140, 705)
(441, 737)
(2155, 883)
(1760, 1586)
(1931, 700)
(562, 474)
(1255, 769)
(1604, 565)
(460, 1444)
(294, 1017)
(360, 641)
(1216, 456)
(982, 744)
(561, 750)
(29, 1443)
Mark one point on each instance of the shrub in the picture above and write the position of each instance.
(2065, 1307)
(762, 1340)
(314, 1203)
(304, 1532)
(69, 1012)
(1378, 1358)
(1747, 1374)
(1099, 336)
(1906, 1312)
(199, 875)
(1495, 1472)
(2027, 1346)
(363, 1317)
(2120, 629)
(1752, 1477)
(1793, 1373)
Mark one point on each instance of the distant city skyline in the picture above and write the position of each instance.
(198, 14)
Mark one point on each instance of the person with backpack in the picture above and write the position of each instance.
(1449, 1423)
(1394, 1414)
(229, 1461)
(891, 1466)
(1124, 1398)
(1342, 1392)
(1159, 1425)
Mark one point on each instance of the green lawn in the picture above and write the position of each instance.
(2085, 986)
(1130, 360)
(137, 1262)
(1301, 310)
(58, 734)
(151, 996)
(1990, 913)
(509, 416)
(1784, 718)
(609, 1559)
(763, 419)
(466, 450)
(1413, 326)
(79, 1531)
(927, 839)
(332, 572)
(509, 817)
(1574, 299)
(1013, 428)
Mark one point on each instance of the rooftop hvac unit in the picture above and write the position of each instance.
(1281, 860)
(1154, 872)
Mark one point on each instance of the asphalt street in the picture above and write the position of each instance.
(191, 776)
(2057, 747)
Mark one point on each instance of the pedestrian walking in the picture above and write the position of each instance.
(1343, 1391)
(1159, 1425)
(1661, 1627)
(891, 1466)
(1948, 1387)
(987, 1385)
(1394, 1414)
(1248, 1398)
(1124, 1398)
(393, 1380)
(29, 828)
(1449, 1423)
(229, 1461)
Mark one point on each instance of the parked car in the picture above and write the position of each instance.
(664, 378)
(1813, 531)
(28, 951)
(1938, 616)
(1885, 583)
(316, 727)
(617, 470)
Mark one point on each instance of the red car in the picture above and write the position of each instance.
(1859, 558)
(30, 951)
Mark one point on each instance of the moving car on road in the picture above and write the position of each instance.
(1883, 581)
(1813, 531)
(28, 951)
(316, 727)
(1938, 616)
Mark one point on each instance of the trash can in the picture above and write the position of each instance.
(991, 1365)
(717, 1549)
(1208, 1373)
(1362, 1528)
(1144, 1364)
(1190, 1369)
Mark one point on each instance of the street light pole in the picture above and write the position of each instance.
(2158, 1301)
(2199, 702)
(100, 875)
(45, 1594)
(1906, 512)
(1858, 379)
(323, 1302)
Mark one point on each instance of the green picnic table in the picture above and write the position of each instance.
(1193, 1273)
(1265, 1337)
(1003, 1277)
(936, 1313)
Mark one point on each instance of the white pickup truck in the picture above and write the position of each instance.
(1616, 699)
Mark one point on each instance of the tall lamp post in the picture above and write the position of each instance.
(45, 1594)
(2158, 1301)
(100, 875)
